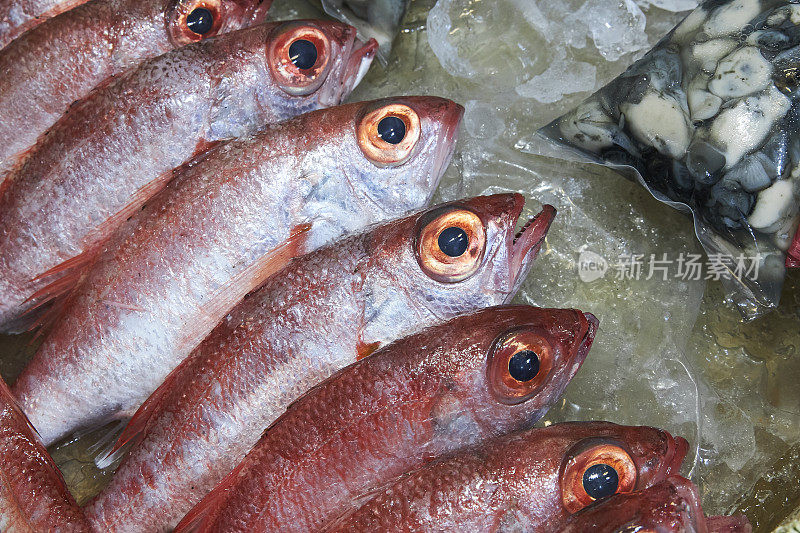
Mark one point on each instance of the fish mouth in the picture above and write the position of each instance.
(685, 491)
(677, 449)
(358, 64)
(446, 145)
(588, 338)
(526, 243)
(257, 13)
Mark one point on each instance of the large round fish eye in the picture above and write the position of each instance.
(193, 20)
(303, 54)
(387, 136)
(597, 471)
(450, 244)
(518, 365)
(200, 21)
(298, 56)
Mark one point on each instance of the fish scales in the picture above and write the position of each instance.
(33, 495)
(419, 397)
(310, 320)
(510, 483)
(117, 148)
(85, 46)
(173, 271)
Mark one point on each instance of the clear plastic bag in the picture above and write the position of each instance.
(709, 122)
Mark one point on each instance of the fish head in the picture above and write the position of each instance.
(614, 459)
(671, 506)
(503, 367)
(342, 150)
(316, 63)
(453, 258)
(189, 21)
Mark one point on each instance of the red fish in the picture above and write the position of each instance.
(454, 384)
(61, 60)
(793, 254)
(672, 506)
(172, 272)
(323, 312)
(117, 148)
(33, 496)
(529, 481)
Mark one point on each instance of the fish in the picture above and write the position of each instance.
(61, 60)
(325, 310)
(671, 506)
(114, 150)
(527, 481)
(18, 17)
(226, 223)
(471, 378)
(33, 495)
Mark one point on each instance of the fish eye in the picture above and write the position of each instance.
(600, 481)
(519, 364)
(387, 136)
(450, 243)
(391, 129)
(594, 471)
(303, 54)
(200, 21)
(453, 241)
(195, 20)
(298, 56)
(524, 365)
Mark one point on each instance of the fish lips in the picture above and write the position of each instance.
(525, 244)
(358, 58)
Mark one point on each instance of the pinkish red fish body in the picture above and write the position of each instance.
(422, 396)
(59, 61)
(18, 17)
(321, 313)
(671, 506)
(117, 148)
(527, 481)
(33, 496)
(793, 254)
(172, 272)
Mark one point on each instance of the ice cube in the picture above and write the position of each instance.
(616, 26)
(561, 77)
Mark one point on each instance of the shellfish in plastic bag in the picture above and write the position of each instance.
(709, 121)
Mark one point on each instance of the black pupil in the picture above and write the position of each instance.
(200, 21)
(524, 365)
(303, 54)
(453, 241)
(392, 130)
(600, 481)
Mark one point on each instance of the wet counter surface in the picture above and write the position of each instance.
(670, 352)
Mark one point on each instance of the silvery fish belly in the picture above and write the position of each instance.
(33, 495)
(710, 121)
(324, 311)
(60, 61)
(671, 506)
(226, 223)
(115, 149)
(532, 480)
(456, 383)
